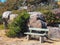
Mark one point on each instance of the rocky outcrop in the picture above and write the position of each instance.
(54, 32)
(13, 16)
(37, 20)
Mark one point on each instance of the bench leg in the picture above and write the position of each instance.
(41, 39)
(27, 37)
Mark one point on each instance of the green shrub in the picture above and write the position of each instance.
(19, 25)
(49, 16)
(1, 27)
(1, 19)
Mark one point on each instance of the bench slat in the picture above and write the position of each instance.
(38, 29)
(28, 33)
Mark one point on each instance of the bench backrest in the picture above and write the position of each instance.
(38, 29)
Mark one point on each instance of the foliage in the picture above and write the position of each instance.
(19, 25)
(1, 4)
(9, 5)
(1, 19)
(49, 16)
(1, 27)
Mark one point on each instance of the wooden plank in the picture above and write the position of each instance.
(28, 33)
(38, 29)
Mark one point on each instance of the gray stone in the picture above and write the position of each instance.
(54, 32)
(13, 16)
(37, 20)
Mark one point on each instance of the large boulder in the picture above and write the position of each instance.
(9, 16)
(37, 20)
(13, 16)
(6, 14)
(54, 32)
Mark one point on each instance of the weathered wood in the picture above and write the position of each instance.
(38, 29)
(28, 33)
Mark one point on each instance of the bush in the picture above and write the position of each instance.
(49, 16)
(1, 19)
(19, 25)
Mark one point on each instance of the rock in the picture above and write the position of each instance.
(23, 7)
(37, 20)
(54, 32)
(6, 14)
(44, 24)
(13, 16)
(9, 16)
(35, 24)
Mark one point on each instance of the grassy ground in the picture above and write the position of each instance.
(1, 27)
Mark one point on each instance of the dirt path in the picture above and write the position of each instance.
(4, 40)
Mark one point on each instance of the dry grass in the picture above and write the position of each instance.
(1, 27)
(24, 41)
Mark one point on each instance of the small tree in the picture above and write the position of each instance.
(19, 25)
(1, 19)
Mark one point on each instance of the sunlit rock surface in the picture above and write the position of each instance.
(37, 20)
(54, 32)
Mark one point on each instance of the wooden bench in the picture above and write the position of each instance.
(41, 35)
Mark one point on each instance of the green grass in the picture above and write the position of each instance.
(1, 27)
